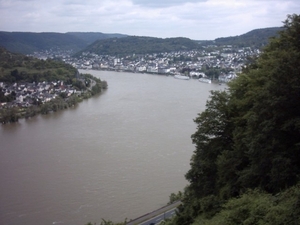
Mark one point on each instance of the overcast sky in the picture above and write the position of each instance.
(195, 19)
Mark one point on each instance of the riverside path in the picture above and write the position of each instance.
(156, 216)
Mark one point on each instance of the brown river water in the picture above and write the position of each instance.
(114, 156)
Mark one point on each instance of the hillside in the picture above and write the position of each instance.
(256, 207)
(29, 42)
(114, 44)
(140, 45)
(90, 37)
(17, 67)
(143, 45)
(26, 42)
(256, 38)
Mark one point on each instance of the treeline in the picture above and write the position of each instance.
(148, 45)
(13, 114)
(90, 37)
(257, 38)
(246, 165)
(18, 67)
(139, 45)
(29, 42)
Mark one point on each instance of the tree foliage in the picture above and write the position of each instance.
(256, 38)
(21, 68)
(175, 197)
(139, 45)
(29, 42)
(108, 222)
(255, 207)
(249, 135)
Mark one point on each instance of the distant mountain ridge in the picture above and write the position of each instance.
(90, 37)
(255, 38)
(139, 45)
(114, 44)
(142, 45)
(29, 42)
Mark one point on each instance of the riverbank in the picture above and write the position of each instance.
(32, 98)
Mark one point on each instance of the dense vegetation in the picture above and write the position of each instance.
(111, 44)
(246, 165)
(257, 207)
(28, 42)
(140, 45)
(255, 38)
(17, 67)
(90, 37)
(144, 45)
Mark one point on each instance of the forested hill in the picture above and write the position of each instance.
(140, 45)
(28, 42)
(90, 37)
(113, 44)
(17, 67)
(255, 38)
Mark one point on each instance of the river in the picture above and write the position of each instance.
(114, 156)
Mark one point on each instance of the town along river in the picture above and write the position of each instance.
(114, 156)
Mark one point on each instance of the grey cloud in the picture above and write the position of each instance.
(196, 19)
(163, 3)
(79, 2)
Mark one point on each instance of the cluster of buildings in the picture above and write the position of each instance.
(27, 94)
(196, 62)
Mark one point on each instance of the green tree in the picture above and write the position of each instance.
(213, 136)
(63, 95)
(249, 135)
(175, 197)
(10, 115)
(269, 124)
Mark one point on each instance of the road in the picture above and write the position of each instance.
(159, 218)
(156, 216)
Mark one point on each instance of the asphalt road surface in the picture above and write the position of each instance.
(159, 218)
(156, 216)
